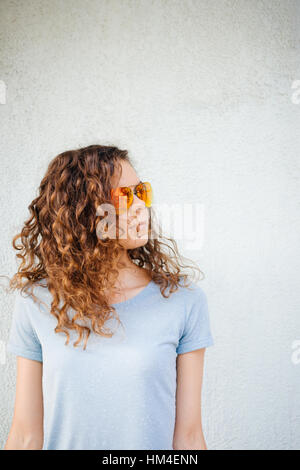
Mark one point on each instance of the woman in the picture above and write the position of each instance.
(132, 378)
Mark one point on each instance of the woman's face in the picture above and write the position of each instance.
(137, 217)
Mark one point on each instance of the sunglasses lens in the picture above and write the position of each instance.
(118, 200)
(144, 192)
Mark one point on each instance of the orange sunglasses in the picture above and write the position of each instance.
(143, 190)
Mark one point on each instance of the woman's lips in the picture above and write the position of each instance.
(141, 225)
(142, 229)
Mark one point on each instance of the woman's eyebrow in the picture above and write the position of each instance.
(130, 185)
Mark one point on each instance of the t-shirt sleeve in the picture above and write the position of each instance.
(197, 332)
(23, 340)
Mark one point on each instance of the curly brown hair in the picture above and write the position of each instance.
(59, 244)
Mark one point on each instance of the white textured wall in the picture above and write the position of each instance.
(200, 94)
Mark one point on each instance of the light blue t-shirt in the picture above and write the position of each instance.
(119, 393)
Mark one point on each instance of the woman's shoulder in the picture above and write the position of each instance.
(192, 289)
(189, 293)
(30, 298)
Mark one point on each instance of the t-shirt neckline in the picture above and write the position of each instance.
(138, 296)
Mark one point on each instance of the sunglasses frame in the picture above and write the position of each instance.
(133, 189)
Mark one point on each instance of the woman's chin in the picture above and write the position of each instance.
(135, 241)
(136, 236)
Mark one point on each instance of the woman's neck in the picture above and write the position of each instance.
(130, 275)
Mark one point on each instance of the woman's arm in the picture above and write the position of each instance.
(188, 426)
(27, 425)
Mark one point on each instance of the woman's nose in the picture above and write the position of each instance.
(137, 209)
(138, 204)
